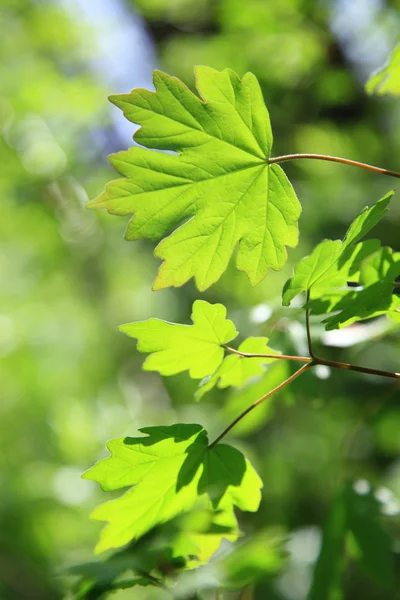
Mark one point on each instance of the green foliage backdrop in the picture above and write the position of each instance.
(69, 381)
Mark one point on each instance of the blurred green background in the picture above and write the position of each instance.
(68, 380)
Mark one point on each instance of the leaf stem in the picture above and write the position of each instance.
(276, 389)
(305, 359)
(337, 159)
(308, 328)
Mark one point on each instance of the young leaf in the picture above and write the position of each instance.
(377, 276)
(172, 469)
(219, 182)
(387, 79)
(176, 348)
(324, 267)
(236, 370)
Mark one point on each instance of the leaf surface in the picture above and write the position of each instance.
(171, 470)
(216, 192)
(331, 261)
(374, 297)
(175, 348)
(387, 79)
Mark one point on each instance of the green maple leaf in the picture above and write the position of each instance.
(377, 275)
(331, 262)
(171, 470)
(176, 348)
(236, 370)
(219, 184)
(387, 79)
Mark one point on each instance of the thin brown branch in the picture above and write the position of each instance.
(336, 159)
(308, 328)
(349, 367)
(304, 359)
(276, 389)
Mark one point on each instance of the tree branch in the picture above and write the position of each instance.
(340, 365)
(276, 389)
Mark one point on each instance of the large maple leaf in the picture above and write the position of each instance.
(218, 191)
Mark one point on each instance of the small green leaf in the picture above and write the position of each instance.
(377, 276)
(176, 348)
(236, 370)
(172, 469)
(325, 266)
(387, 79)
(218, 184)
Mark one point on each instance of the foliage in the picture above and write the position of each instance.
(175, 469)
(69, 381)
(171, 470)
(221, 179)
(387, 79)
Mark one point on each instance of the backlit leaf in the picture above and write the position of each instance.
(171, 469)
(216, 192)
(374, 297)
(175, 348)
(330, 262)
(387, 79)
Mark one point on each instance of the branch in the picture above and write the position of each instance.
(343, 161)
(350, 367)
(279, 387)
(304, 359)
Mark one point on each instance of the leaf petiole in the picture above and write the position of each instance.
(337, 159)
(305, 359)
(276, 389)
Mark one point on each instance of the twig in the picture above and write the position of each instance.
(305, 359)
(261, 400)
(350, 367)
(344, 161)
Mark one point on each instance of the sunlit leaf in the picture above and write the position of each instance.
(387, 79)
(375, 296)
(175, 348)
(218, 184)
(171, 469)
(330, 262)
